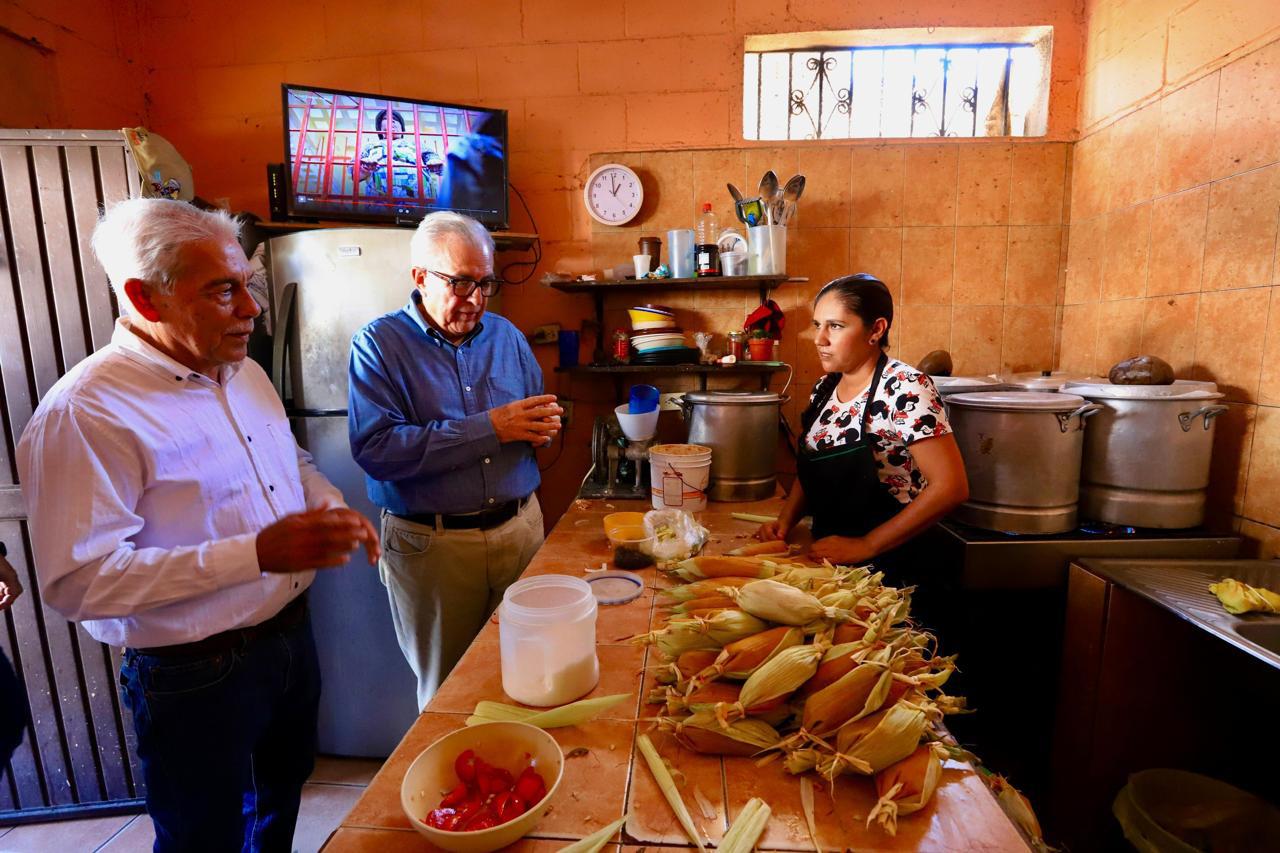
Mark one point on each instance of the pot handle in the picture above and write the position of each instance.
(1185, 419)
(1088, 410)
(686, 407)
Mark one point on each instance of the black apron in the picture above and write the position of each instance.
(842, 486)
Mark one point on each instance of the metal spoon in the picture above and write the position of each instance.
(768, 185)
(794, 188)
(735, 192)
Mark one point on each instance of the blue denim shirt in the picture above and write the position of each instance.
(418, 414)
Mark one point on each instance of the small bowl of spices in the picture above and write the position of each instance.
(632, 547)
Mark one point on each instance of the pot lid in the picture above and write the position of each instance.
(615, 587)
(1018, 401)
(1045, 380)
(730, 398)
(1181, 389)
(962, 384)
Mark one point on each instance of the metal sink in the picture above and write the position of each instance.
(1182, 588)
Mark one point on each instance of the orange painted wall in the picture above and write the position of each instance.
(71, 64)
(1175, 214)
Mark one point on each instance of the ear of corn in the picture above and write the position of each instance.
(685, 634)
(859, 692)
(742, 657)
(836, 663)
(704, 602)
(696, 568)
(873, 743)
(782, 603)
(758, 549)
(701, 732)
(697, 589)
(905, 787)
(774, 681)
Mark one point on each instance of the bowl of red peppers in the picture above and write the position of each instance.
(482, 787)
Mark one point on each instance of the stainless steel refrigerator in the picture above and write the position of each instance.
(326, 284)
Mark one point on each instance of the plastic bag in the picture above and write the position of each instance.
(164, 173)
(676, 535)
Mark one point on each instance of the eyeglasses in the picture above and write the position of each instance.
(464, 287)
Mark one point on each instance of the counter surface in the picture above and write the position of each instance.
(611, 777)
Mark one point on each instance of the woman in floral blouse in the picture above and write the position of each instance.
(877, 462)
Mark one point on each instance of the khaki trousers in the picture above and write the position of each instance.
(444, 584)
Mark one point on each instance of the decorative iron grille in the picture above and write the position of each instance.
(900, 91)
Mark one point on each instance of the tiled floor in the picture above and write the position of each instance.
(332, 790)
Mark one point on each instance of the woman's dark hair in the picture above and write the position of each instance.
(380, 121)
(865, 295)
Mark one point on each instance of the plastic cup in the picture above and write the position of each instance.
(733, 263)
(568, 348)
(767, 250)
(680, 252)
(642, 265)
(644, 398)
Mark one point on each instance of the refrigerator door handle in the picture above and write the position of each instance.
(284, 328)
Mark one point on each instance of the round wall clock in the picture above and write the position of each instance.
(613, 194)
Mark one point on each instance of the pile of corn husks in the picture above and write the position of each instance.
(821, 665)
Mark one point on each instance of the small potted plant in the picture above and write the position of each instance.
(760, 345)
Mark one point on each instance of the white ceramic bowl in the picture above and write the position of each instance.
(504, 745)
(651, 325)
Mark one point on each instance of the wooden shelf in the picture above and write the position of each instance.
(719, 282)
(747, 367)
(502, 240)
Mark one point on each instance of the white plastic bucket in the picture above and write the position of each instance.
(679, 474)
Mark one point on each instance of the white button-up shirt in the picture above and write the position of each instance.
(146, 486)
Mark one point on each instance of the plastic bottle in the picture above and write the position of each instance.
(706, 253)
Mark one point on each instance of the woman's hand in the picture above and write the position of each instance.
(772, 531)
(842, 550)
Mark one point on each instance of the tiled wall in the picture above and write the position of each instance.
(968, 236)
(1175, 214)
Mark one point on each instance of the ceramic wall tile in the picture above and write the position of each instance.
(1178, 224)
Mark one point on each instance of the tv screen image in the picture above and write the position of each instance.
(359, 156)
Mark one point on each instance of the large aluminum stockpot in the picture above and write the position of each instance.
(1022, 454)
(1147, 453)
(741, 428)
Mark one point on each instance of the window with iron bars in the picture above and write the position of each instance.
(893, 91)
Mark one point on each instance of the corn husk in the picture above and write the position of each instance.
(685, 666)
(739, 659)
(777, 679)
(573, 714)
(596, 841)
(837, 662)
(701, 732)
(704, 602)
(871, 744)
(905, 787)
(782, 603)
(806, 805)
(747, 829)
(854, 695)
(697, 589)
(1016, 806)
(696, 568)
(668, 787)
(1238, 597)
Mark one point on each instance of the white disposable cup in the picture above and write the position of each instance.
(642, 265)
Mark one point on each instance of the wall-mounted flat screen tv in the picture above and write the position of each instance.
(352, 155)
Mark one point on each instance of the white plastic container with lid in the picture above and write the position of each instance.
(547, 638)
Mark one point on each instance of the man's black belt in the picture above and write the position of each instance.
(482, 520)
(290, 616)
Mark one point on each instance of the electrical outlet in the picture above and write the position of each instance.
(567, 417)
(547, 334)
(670, 401)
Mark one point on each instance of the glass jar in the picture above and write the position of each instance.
(736, 340)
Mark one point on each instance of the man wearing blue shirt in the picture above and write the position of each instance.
(446, 409)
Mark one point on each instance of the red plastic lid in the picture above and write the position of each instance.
(706, 205)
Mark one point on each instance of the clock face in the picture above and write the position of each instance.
(613, 194)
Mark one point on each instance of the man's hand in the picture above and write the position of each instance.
(320, 539)
(772, 531)
(10, 586)
(533, 419)
(842, 550)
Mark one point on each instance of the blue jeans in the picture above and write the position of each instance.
(226, 740)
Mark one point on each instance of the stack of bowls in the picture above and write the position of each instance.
(656, 339)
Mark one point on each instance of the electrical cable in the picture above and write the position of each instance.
(536, 247)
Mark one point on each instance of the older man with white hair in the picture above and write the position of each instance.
(172, 513)
(446, 409)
